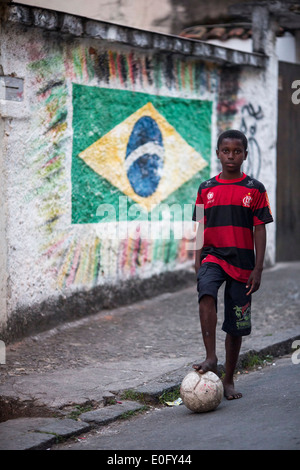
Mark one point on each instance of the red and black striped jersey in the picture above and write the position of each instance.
(231, 209)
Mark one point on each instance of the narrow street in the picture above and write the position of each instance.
(266, 418)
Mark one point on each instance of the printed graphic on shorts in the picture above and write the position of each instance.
(243, 316)
(152, 149)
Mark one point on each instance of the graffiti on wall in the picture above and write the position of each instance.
(232, 108)
(228, 102)
(249, 126)
(93, 105)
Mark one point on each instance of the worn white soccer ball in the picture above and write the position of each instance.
(201, 392)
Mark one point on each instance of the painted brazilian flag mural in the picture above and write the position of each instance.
(151, 149)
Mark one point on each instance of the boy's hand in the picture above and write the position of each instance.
(254, 281)
(197, 257)
(260, 246)
(197, 267)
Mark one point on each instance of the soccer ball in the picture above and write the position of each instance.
(201, 392)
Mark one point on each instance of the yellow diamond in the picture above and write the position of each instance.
(107, 158)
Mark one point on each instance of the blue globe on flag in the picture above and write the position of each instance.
(144, 156)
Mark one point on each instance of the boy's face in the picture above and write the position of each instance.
(231, 154)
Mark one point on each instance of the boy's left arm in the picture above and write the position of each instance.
(260, 248)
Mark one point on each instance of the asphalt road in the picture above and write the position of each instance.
(266, 418)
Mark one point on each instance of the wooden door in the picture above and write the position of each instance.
(288, 164)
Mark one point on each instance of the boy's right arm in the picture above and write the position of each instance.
(197, 260)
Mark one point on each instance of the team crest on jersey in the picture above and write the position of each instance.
(210, 197)
(247, 200)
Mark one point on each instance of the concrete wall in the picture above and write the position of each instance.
(86, 99)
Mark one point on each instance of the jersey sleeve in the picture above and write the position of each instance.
(262, 213)
(198, 209)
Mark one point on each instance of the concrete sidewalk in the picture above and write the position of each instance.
(147, 347)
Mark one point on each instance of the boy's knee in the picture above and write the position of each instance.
(207, 301)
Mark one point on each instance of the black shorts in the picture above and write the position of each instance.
(237, 315)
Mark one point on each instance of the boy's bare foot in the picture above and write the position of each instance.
(230, 393)
(206, 366)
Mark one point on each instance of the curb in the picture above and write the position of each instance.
(153, 391)
(43, 433)
(40, 433)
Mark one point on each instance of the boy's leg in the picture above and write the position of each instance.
(237, 324)
(210, 277)
(232, 347)
(208, 321)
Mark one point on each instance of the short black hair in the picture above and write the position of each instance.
(233, 134)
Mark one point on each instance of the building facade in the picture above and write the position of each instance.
(106, 133)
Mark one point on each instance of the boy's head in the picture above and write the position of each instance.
(233, 134)
(232, 152)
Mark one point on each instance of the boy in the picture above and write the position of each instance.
(236, 209)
